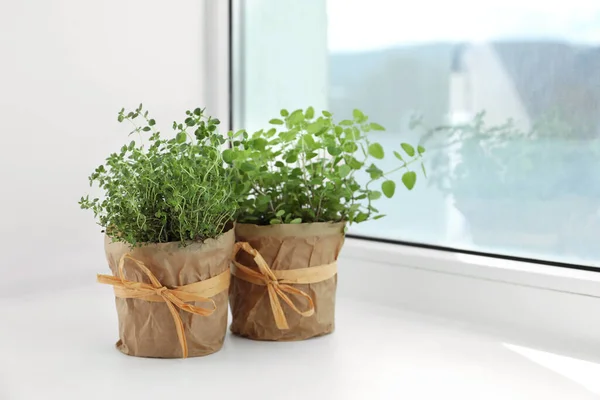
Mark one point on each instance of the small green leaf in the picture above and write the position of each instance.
(228, 156)
(409, 179)
(279, 213)
(260, 144)
(379, 216)
(274, 221)
(374, 194)
(189, 121)
(284, 112)
(408, 149)
(346, 122)
(420, 149)
(344, 170)
(354, 163)
(287, 136)
(152, 122)
(296, 117)
(296, 172)
(198, 111)
(308, 141)
(315, 127)
(376, 151)
(374, 172)
(361, 217)
(358, 115)
(292, 158)
(276, 121)
(271, 132)
(120, 118)
(354, 207)
(131, 145)
(334, 151)
(350, 147)
(181, 137)
(388, 188)
(376, 127)
(146, 129)
(310, 113)
(247, 167)
(398, 156)
(349, 134)
(263, 200)
(296, 221)
(326, 113)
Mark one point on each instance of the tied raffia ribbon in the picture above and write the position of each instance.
(279, 282)
(175, 298)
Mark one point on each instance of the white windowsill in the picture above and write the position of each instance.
(546, 307)
(475, 266)
(376, 352)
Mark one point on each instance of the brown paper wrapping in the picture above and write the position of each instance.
(286, 247)
(147, 329)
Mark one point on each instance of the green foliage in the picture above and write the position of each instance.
(304, 169)
(389, 187)
(167, 190)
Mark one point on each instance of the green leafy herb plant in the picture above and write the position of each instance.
(306, 168)
(165, 190)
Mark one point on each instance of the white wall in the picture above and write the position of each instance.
(66, 68)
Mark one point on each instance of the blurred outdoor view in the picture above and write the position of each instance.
(505, 98)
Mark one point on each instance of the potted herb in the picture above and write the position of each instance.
(298, 188)
(167, 213)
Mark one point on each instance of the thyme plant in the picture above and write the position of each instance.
(165, 190)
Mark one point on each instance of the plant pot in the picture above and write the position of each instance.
(149, 317)
(302, 259)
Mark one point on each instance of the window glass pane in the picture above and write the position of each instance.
(503, 95)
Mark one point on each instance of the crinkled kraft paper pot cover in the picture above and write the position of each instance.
(286, 247)
(147, 329)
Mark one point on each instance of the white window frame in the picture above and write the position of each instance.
(530, 303)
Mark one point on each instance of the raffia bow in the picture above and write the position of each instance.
(278, 282)
(174, 298)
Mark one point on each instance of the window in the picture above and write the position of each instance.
(504, 95)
